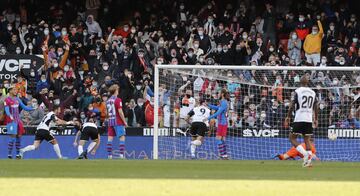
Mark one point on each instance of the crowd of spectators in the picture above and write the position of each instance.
(85, 52)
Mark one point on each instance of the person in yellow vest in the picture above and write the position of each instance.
(312, 44)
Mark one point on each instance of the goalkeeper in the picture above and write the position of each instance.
(292, 153)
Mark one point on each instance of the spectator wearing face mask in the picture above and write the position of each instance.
(53, 63)
(331, 35)
(138, 90)
(323, 62)
(3, 50)
(42, 84)
(294, 48)
(141, 64)
(14, 47)
(204, 40)
(135, 114)
(312, 44)
(302, 27)
(353, 45)
(35, 116)
(227, 56)
(209, 26)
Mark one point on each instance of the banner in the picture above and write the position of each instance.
(140, 147)
(10, 65)
(180, 132)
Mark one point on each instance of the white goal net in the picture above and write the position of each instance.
(259, 101)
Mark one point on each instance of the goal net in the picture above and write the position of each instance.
(259, 101)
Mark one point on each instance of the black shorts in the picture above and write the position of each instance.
(89, 132)
(42, 134)
(302, 128)
(198, 129)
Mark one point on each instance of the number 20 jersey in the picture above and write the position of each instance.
(305, 99)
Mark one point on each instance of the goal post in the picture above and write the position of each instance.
(262, 134)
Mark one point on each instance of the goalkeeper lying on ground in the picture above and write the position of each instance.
(292, 153)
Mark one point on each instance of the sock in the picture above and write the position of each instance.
(309, 152)
(192, 149)
(122, 147)
(29, 148)
(11, 145)
(221, 148)
(80, 149)
(109, 148)
(18, 145)
(301, 149)
(57, 150)
(91, 146)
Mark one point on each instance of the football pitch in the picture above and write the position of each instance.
(148, 177)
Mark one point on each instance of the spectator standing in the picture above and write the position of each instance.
(312, 44)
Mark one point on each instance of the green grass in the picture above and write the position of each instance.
(211, 170)
(157, 178)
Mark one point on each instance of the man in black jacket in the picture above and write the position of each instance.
(135, 113)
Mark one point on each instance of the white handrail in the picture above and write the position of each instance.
(237, 67)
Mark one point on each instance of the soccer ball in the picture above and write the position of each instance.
(332, 136)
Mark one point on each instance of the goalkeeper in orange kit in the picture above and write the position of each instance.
(292, 153)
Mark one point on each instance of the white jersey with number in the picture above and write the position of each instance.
(46, 121)
(199, 114)
(305, 99)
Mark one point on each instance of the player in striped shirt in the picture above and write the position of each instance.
(116, 121)
(12, 103)
(222, 122)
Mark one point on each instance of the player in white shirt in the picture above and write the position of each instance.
(86, 131)
(187, 103)
(199, 124)
(43, 132)
(305, 106)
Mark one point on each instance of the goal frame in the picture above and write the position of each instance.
(222, 67)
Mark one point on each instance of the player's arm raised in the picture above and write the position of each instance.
(182, 88)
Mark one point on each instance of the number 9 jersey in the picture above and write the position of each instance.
(305, 100)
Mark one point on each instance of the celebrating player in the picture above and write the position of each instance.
(305, 105)
(222, 121)
(86, 131)
(292, 153)
(12, 103)
(198, 126)
(116, 121)
(43, 132)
